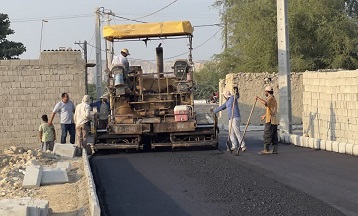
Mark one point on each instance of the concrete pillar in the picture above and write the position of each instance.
(98, 55)
(284, 71)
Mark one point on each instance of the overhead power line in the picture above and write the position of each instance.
(200, 45)
(196, 46)
(158, 10)
(125, 18)
(195, 26)
(139, 21)
(91, 42)
(51, 18)
(208, 39)
(208, 25)
(96, 47)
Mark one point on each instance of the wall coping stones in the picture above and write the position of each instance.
(64, 150)
(33, 176)
(32, 207)
(54, 176)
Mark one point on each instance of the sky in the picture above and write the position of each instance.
(26, 20)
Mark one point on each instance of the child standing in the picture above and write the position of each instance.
(47, 134)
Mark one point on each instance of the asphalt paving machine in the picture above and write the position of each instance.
(150, 110)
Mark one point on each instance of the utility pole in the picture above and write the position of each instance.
(98, 54)
(284, 72)
(84, 48)
(225, 24)
(86, 68)
(109, 49)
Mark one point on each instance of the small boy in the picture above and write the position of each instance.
(47, 134)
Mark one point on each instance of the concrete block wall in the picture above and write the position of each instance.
(252, 84)
(31, 88)
(330, 106)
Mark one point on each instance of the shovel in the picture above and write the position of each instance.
(247, 124)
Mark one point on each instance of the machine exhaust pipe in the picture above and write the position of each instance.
(160, 61)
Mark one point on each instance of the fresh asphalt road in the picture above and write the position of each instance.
(297, 181)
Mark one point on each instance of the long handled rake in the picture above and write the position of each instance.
(247, 124)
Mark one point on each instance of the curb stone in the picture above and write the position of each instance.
(94, 206)
(319, 144)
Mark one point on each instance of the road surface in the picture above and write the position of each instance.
(297, 181)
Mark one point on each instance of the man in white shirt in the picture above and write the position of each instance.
(122, 60)
(82, 118)
(65, 109)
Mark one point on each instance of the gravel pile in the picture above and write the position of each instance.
(13, 162)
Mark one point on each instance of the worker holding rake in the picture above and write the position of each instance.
(234, 120)
(271, 121)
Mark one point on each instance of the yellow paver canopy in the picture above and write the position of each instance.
(146, 30)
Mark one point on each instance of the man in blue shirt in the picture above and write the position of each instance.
(103, 111)
(234, 121)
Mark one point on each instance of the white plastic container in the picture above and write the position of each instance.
(181, 113)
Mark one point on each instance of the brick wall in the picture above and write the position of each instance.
(330, 106)
(31, 88)
(252, 84)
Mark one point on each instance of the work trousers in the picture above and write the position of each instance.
(47, 146)
(270, 137)
(68, 128)
(235, 133)
(102, 123)
(82, 132)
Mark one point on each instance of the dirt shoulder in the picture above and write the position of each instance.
(64, 199)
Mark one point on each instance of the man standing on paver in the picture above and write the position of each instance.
(122, 60)
(65, 110)
(270, 132)
(235, 133)
(103, 111)
(82, 118)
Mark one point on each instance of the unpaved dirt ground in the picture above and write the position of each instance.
(69, 199)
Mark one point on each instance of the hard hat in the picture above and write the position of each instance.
(268, 88)
(125, 50)
(104, 96)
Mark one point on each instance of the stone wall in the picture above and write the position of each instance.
(330, 106)
(252, 84)
(31, 88)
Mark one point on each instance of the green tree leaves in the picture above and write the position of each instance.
(351, 7)
(207, 80)
(8, 49)
(323, 34)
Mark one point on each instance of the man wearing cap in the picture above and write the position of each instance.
(102, 107)
(82, 118)
(122, 60)
(235, 134)
(270, 132)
